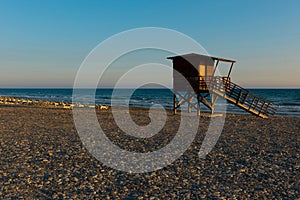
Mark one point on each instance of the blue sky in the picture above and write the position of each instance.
(44, 42)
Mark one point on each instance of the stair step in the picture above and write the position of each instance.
(242, 98)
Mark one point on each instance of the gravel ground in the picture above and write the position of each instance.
(42, 157)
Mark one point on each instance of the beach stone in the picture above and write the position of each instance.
(42, 157)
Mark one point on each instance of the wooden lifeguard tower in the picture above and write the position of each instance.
(194, 78)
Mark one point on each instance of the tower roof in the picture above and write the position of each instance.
(195, 55)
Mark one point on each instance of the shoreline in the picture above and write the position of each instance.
(16, 101)
(23, 102)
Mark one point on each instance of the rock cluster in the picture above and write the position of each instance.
(48, 104)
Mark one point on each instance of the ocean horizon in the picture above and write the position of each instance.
(286, 101)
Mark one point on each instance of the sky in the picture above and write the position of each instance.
(43, 43)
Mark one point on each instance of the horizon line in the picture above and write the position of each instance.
(132, 88)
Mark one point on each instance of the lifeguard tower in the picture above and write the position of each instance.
(206, 87)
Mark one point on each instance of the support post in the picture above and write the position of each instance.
(189, 99)
(230, 70)
(215, 68)
(239, 97)
(174, 103)
(198, 105)
(214, 99)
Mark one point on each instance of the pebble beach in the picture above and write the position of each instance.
(42, 157)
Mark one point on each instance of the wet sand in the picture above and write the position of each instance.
(42, 157)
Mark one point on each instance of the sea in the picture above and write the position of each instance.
(286, 101)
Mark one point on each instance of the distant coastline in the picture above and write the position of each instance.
(287, 100)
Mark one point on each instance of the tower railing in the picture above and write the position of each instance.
(237, 95)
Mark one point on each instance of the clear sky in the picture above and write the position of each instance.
(42, 43)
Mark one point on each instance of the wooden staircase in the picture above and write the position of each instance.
(223, 87)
